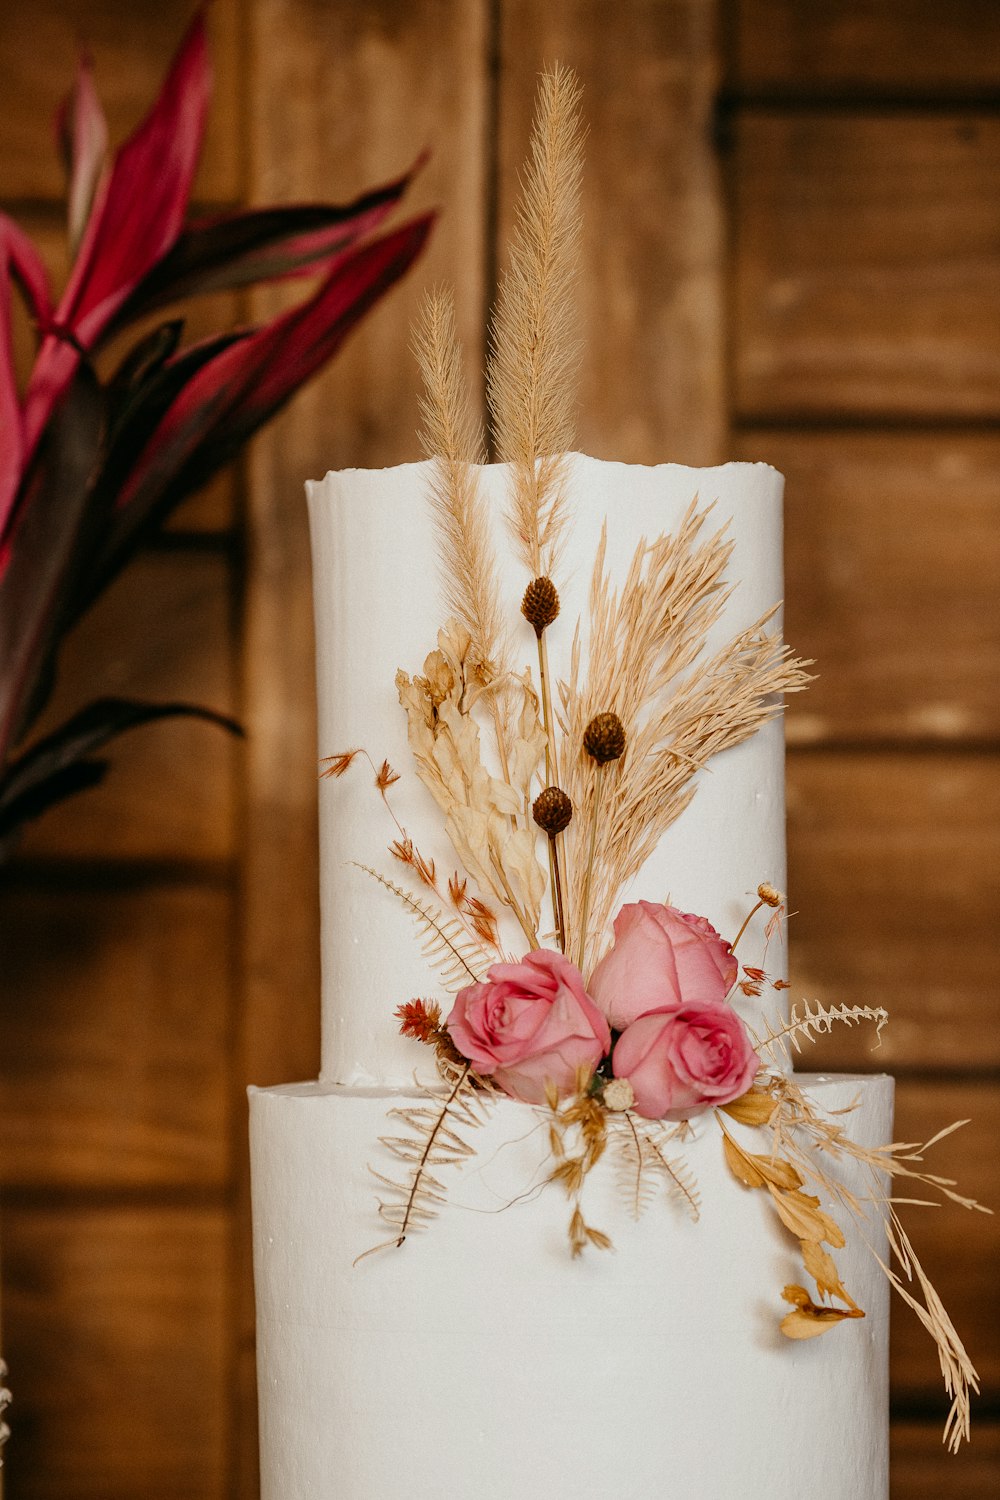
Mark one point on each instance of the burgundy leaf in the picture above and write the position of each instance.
(20, 262)
(59, 765)
(83, 138)
(239, 390)
(36, 567)
(264, 244)
(136, 217)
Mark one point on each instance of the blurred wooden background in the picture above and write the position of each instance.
(793, 253)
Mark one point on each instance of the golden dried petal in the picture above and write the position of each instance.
(754, 1107)
(800, 1212)
(821, 1267)
(807, 1321)
(741, 1164)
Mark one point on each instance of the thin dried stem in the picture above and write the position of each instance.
(535, 348)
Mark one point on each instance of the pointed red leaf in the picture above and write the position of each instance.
(233, 395)
(265, 244)
(20, 262)
(83, 138)
(136, 217)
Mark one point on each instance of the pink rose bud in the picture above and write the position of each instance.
(660, 958)
(682, 1061)
(530, 1024)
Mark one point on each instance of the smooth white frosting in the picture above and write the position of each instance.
(480, 1361)
(379, 607)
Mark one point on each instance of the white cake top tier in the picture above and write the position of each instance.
(379, 605)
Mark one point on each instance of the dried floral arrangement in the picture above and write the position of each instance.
(618, 1023)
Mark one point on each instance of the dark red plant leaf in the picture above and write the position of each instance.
(82, 132)
(59, 765)
(239, 390)
(39, 557)
(265, 244)
(20, 262)
(141, 391)
(136, 217)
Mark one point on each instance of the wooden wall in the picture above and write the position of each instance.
(793, 253)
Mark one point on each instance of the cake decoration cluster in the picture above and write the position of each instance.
(619, 1020)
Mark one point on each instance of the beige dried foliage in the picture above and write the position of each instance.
(802, 1140)
(452, 437)
(481, 811)
(645, 1166)
(808, 1022)
(460, 957)
(646, 664)
(578, 1138)
(533, 369)
(430, 1140)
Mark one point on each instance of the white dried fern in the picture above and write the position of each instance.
(811, 1020)
(643, 1166)
(429, 1141)
(456, 955)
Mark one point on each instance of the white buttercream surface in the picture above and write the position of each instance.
(480, 1361)
(378, 608)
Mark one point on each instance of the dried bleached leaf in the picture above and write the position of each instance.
(811, 1020)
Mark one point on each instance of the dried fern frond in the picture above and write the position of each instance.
(643, 1166)
(429, 1142)
(452, 437)
(811, 1020)
(458, 958)
(535, 347)
(644, 663)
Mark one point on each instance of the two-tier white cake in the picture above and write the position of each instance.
(479, 1359)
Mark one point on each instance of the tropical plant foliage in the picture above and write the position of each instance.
(90, 467)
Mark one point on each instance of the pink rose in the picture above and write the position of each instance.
(682, 1061)
(661, 957)
(529, 1024)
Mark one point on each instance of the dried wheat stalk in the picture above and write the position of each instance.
(678, 710)
(452, 437)
(535, 348)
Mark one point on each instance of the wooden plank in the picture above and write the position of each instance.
(132, 46)
(867, 274)
(894, 869)
(892, 555)
(114, 1323)
(854, 49)
(923, 1469)
(959, 1249)
(162, 632)
(652, 296)
(114, 1009)
(343, 98)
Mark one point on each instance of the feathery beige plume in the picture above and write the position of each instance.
(535, 346)
(644, 665)
(452, 437)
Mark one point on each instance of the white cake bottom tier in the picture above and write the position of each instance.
(480, 1362)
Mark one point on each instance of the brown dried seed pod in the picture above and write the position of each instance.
(604, 738)
(769, 895)
(540, 604)
(552, 810)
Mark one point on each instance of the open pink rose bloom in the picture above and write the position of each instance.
(530, 1024)
(685, 1060)
(660, 957)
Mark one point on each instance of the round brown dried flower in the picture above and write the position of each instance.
(540, 604)
(769, 895)
(552, 810)
(604, 738)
